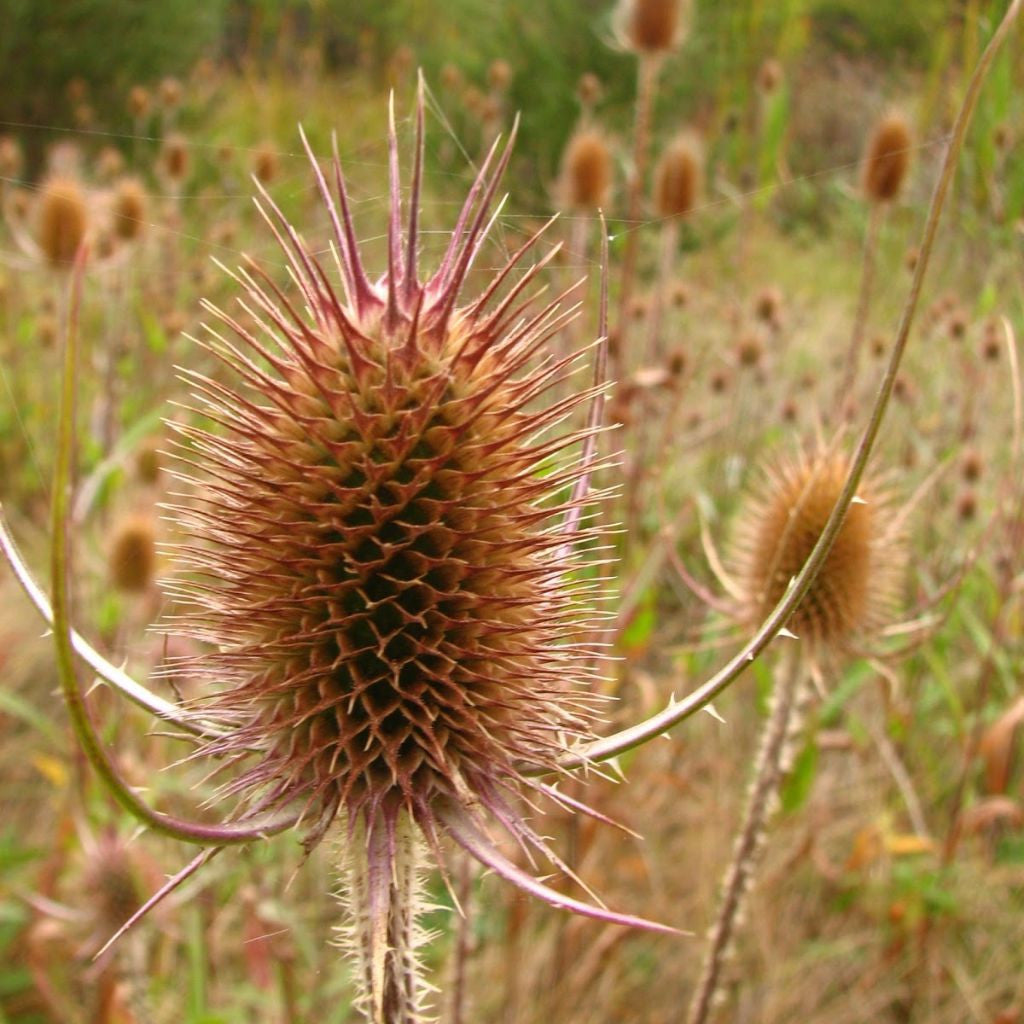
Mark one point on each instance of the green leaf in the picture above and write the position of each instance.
(797, 787)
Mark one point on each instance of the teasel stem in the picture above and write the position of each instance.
(678, 711)
(774, 759)
(60, 562)
(867, 277)
(666, 263)
(463, 939)
(648, 66)
(383, 900)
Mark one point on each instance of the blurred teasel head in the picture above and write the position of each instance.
(887, 159)
(651, 27)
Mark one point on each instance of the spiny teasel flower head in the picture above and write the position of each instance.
(857, 586)
(887, 159)
(384, 557)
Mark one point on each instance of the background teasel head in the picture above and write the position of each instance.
(586, 178)
(857, 587)
(651, 27)
(887, 159)
(383, 546)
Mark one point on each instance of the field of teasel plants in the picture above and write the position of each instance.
(512, 515)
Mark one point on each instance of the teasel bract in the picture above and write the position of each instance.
(384, 558)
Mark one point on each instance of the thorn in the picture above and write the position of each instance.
(710, 709)
(857, 500)
(750, 656)
(789, 633)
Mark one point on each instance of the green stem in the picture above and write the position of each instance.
(678, 711)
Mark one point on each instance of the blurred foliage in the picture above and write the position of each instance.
(50, 47)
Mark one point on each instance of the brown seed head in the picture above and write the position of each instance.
(139, 101)
(148, 462)
(749, 350)
(130, 206)
(109, 163)
(677, 177)
(11, 159)
(887, 159)
(586, 171)
(62, 220)
(783, 519)
(174, 157)
(768, 306)
(113, 886)
(499, 75)
(651, 26)
(451, 77)
(170, 93)
(588, 89)
(769, 76)
(265, 163)
(132, 560)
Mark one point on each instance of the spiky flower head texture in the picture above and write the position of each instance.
(857, 586)
(384, 558)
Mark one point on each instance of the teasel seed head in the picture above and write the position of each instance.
(651, 26)
(132, 560)
(265, 163)
(856, 588)
(384, 554)
(677, 177)
(887, 159)
(139, 101)
(62, 221)
(770, 76)
(130, 206)
(586, 171)
(11, 159)
(174, 157)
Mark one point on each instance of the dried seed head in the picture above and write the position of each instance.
(11, 159)
(109, 163)
(586, 171)
(588, 90)
(769, 76)
(174, 157)
(265, 163)
(112, 883)
(677, 178)
(768, 306)
(651, 26)
(451, 77)
(499, 75)
(132, 559)
(749, 350)
(148, 463)
(856, 586)
(139, 101)
(170, 93)
(971, 465)
(130, 205)
(63, 219)
(887, 159)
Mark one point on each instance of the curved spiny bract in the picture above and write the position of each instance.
(384, 540)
